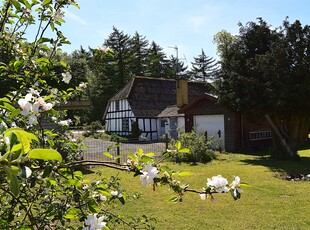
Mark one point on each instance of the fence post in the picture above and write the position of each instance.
(118, 152)
(167, 141)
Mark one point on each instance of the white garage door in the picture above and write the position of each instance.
(212, 124)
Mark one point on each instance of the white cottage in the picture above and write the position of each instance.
(153, 105)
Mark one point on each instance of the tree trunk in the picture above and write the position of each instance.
(288, 133)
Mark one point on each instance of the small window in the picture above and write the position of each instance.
(163, 123)
(117, 105)
(125, 124)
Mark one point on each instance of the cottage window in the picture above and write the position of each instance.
(116, 105)
(125, 124)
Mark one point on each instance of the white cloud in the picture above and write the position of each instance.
(74, 17)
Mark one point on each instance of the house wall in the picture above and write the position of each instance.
(119, 117)
(148, 127)
(171, 126)
(231, 121)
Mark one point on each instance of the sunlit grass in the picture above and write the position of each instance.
(269, 203)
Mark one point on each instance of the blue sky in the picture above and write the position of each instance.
(188, 24)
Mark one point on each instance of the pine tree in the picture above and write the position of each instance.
(156, 61)
(204, 68)
(139, 50)
(176, 69)
(119, 43)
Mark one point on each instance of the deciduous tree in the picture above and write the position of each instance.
(266, 71)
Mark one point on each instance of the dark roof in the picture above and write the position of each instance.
(202, 97)
(170, 111)
(148, 97)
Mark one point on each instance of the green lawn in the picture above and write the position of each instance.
(270, 202)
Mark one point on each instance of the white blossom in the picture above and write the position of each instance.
(65, 122)
(148, 174)
(203, 196)
(218, 183)
(32, 119)
(94, 223)
(82, 85)
(58, 15)
(116, 194)
(35, 108)
(103, 198)
(25, 106)
(47, 106)
(66, 77)
(236, 184)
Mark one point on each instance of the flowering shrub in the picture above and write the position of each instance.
(41, 186)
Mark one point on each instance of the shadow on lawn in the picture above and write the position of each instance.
(283, 167)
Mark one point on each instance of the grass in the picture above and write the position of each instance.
(269, 203)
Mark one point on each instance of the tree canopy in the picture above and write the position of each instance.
(265, 70)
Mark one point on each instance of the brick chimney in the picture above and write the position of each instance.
(182, 92)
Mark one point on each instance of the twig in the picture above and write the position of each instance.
(102, 163)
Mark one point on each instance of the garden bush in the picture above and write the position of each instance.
(199, 148)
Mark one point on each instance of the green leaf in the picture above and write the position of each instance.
(43, 60)
(235, 194)
(178, 145)
(45, 154)
(74, 182)
(14, 113)
(150, 154)
(140, 151)
(14, 184)
(51, 181)
(173, 199)
(104, 192)
(145, 159)
(64, 64)
(165, 168)
(16, 4)
(185, 174)
(24, 228)
(16, 147)
(93, 206)
(107, 154)
(72, 213)
(78, 174)
(2, 158)
(23, 137)
(244, 185)
(185, 150)
(18, 64)
(132, 156)
(122, 200)
(45, 2)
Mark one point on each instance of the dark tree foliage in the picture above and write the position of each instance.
(102, 82)
(267, 71)
(139, 50)
(157, 61)
(119, 43)
(80, 74)
(204, 68)
(176, 69)
(79, 68)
